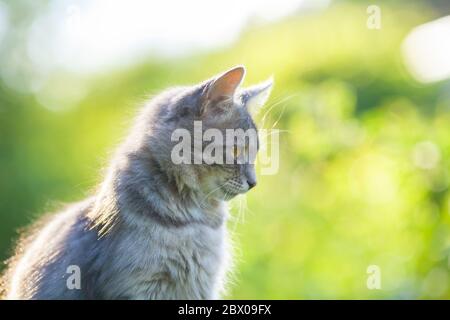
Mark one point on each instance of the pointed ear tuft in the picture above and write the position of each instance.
(225, 85)
(256, 96)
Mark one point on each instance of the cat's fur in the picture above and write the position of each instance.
(153, 230)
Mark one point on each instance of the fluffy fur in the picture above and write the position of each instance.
(153, 230)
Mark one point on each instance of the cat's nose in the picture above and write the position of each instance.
(251, 183)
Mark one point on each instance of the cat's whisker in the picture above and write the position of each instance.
(240, 218)
(247, 207)
(271, 132)
(205, 198)
(241, 208)
(274, 103)
(263, 120)
(236, 219)
(279, 117)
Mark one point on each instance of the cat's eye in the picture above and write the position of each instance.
(235, 151)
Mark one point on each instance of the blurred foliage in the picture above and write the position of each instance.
(364, 160)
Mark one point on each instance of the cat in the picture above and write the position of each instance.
(153, 229)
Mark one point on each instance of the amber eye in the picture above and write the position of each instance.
(235, 151)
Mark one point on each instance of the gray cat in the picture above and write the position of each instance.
(154, 229)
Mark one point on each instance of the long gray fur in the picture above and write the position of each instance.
(153, 229)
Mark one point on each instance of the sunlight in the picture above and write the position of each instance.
(426, 51)
(95, 35)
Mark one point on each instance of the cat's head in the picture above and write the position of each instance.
(205, 135)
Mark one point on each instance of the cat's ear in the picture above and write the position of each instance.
(224, 86)
(256, 96)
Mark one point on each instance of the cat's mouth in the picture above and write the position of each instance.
(229, 194)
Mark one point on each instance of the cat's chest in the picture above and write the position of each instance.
(191, 261)
(192, 247)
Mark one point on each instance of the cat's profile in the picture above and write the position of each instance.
(154, 229)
